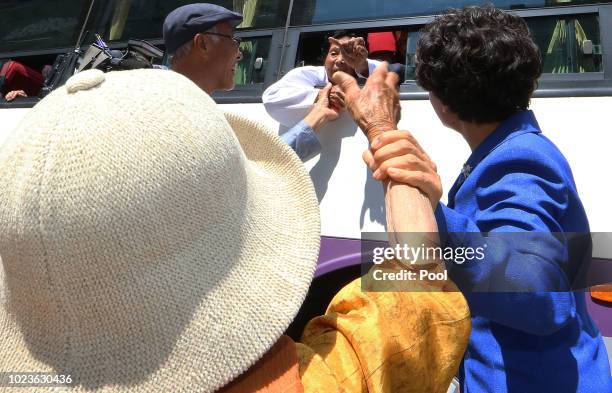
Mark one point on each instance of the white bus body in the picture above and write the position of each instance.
(576, 116)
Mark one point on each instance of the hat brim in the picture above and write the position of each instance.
(260, 295)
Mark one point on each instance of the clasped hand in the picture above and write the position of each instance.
(393, 154)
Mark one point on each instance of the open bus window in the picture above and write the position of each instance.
(120, 20)
(29, 25)
(396, 46)
(252, 68)
(568, 43)
(25, 74)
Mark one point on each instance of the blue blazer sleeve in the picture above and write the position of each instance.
(526, 269)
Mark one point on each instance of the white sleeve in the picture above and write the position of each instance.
(290, 99)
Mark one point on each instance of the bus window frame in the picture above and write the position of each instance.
(593, 84)
(251, 93)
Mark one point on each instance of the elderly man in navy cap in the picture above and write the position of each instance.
(200, 39)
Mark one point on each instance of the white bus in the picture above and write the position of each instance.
(573, 102)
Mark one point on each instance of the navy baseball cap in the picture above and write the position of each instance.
(182, 24)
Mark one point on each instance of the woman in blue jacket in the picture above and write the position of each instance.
(515, 197)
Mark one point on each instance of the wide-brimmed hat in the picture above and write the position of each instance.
(149, 242)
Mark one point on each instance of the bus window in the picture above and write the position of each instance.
(120, 20)
(568, 43)
(311, 49)
(29, 25)
(312, 12)
(412, 39)
(313, 46)
(252, 68)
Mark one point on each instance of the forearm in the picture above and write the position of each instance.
(408, 209)
(410, 217)
(302, 139)
(290, 99)
(315, 119)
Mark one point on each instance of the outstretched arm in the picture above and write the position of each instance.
(292, 97)
(375, 109)
(303, 137)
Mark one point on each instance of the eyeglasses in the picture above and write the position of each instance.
(237, 40)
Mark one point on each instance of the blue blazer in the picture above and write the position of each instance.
(516, 197)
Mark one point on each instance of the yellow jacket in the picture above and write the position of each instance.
(375, 342)
(385, 341)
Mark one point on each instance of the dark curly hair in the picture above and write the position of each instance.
(480, 62)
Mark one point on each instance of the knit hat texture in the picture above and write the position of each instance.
(149, 243)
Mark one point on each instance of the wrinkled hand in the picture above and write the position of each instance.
(397, 155)
(376, 107)
(322, 111)
(336, 99)
(11, 95)
(354, 53)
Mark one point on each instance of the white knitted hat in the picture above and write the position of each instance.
(148, 243)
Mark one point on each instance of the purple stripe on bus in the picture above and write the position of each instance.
(337, 253)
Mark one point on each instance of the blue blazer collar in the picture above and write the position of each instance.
(522, 122)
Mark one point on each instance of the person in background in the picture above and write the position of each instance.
(388, 46)
(19, 80)
(531, 332)
(382, 46)
(200, 40)
(290, 99)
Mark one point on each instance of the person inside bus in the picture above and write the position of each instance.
(19, 80)
(173, 256)
(200, 40)
(290, 99)
(480, 66)
(388, 46)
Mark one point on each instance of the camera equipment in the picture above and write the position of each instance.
(138, 54)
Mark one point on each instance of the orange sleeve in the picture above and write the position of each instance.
(385, 342)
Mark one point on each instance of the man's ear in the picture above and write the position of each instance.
(199, 41)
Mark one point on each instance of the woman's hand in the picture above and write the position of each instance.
(397, 155)
(375, 108)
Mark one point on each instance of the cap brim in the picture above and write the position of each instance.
(235, 20)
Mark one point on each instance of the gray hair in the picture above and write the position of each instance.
(184, 49)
